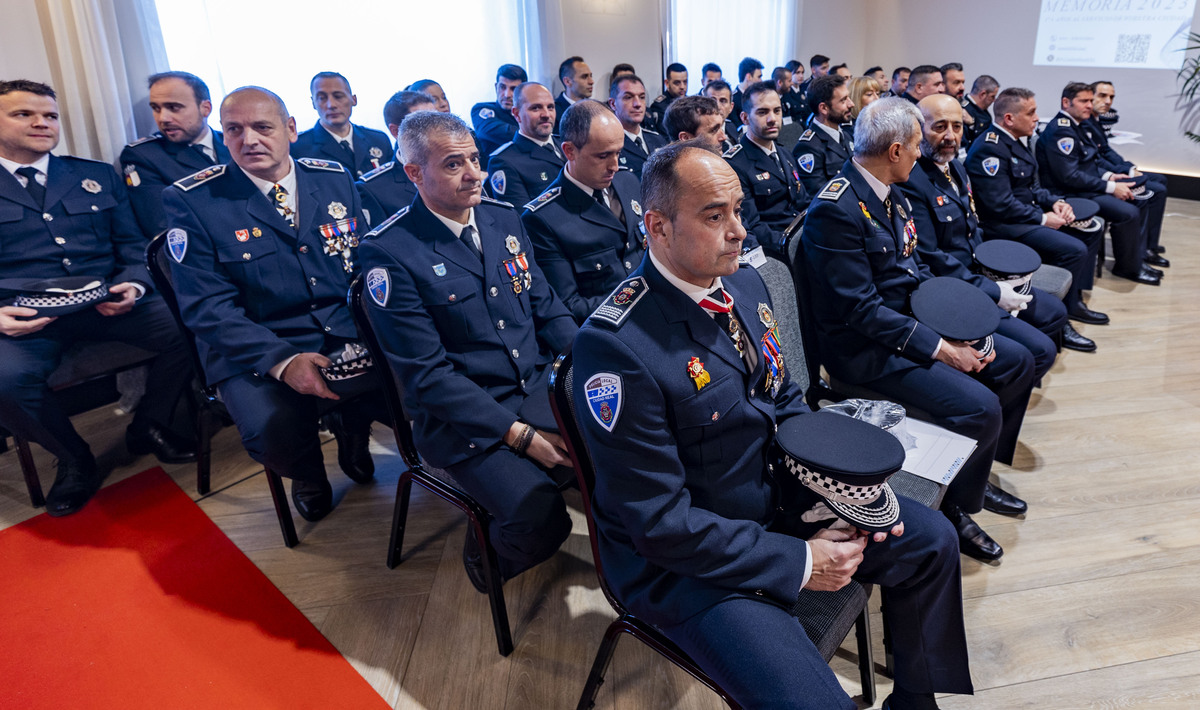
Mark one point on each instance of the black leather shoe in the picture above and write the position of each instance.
(473, 562)
(77, 481)
(1156, 260)
(1143, 277)
(909, 702)
(1001, 502)
(166, 445)
(1154, 271)
(1072, 340)
(1083, 314)
(313, 499)
(972, 540)
(1160, 249)
(354, 445)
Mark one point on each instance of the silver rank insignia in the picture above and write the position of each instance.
(90, 185)
(765, 315)
(512, 244)
(337, 210)
(375, 152)
(637, 209)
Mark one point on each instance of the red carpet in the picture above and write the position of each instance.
(140, 601)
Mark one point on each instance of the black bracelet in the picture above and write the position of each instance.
(523, 440)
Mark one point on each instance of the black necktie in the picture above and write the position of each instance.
(778, 163)
(468, 237)
(613, 206)
(279, 199)
(720, 305)
(642, 144)
(554, 149)
(203, 152)
(36, 190)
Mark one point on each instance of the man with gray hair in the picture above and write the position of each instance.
(586, 227)
(469, 325)
(859, 259)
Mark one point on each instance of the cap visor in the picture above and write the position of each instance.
(880, 515)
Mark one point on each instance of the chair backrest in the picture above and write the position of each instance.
(159, 264)
(778, 278)
(391, 388)
(815, 389)
(562, 403)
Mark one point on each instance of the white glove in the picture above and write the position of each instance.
(1010, 300)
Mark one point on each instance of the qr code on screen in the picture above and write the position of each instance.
(1133, 49)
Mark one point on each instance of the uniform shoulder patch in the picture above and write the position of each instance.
(199, 178)
(604, 392)
(1064, 122)
(498, 203)
(543, 199)
(653, 133)
(502, 148)
(661, 97)
(991, 137)
(486, 113)
(964, 102)
(385, 224)
(807, 135)
(147, 139)
(372, 174)
(834, 189)
(617, 307)
(316, 164)
(737, 148)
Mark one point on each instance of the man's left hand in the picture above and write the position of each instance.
(128, 293)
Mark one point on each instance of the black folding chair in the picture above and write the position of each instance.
(209, 407)
(416, 472)
(826, 616)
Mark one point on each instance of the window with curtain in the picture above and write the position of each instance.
(380, 47)
(718, 31)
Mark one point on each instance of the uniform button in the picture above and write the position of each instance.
(95, 208)
(312, 306)
(628, 265)
(715, 416)
(751, 391)
(66, 262)
(494, 292)
(471, 445)
(303, 249)
(47, 216)
(598, 266)
(516, 353)
(770, 468)
(327, 329)
(758, 592)
(910, 271)
(500, 324)
(522, 384)
(776, 428)
(246, 256)
(60, 240)
(453, 298)
(312, 280)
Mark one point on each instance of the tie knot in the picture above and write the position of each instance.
(599, 195)
(28, 172)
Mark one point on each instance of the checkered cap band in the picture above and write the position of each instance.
(349, 369)
(1141, 193)
(59, 300)
(1021, 284)
(1087, 225)
(879, 517)
(832, 489)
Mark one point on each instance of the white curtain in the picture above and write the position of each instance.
(719, 31)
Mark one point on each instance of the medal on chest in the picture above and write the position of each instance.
(910, 237)
(340, 238)
(772, 353)
(517, 269)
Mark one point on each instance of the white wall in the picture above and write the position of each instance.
(606, 33)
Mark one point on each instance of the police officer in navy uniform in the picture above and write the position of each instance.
(358, 148)
(769, 174)
(674, 86)
(976, 104)
(948, 232)
(469, 326)
(263, 252)
(860, 264)
(578, 82)
(1013, 206)
(924, 80)
(586, 228)
(494, 121)
(720, 92)
(749, 73)
(1069, 164)
(523, 169)
(627, 99)
(64, 216)
(825, 146)
(386, 190)
(795, 110)
(1103, 94)
(700, 534)
(184, 145)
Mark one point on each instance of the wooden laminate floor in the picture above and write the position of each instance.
(1096, 604)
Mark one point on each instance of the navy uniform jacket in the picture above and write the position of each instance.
(461, 341)
(522, 170)
(493, 126)
(736, 114)
(560, 107)
(253, 290)
(656, 111)
(860, 281)
(1004, 175)
(795, 106)
(1109, 157)
(983, 121)
(819, 157)
(151, 164)
(582, 247)
(371, 148)
(633, 157)
(1068, 160)
(85, 229)
(946, 223)
(385, 191)
(684, 495)
(778, 195)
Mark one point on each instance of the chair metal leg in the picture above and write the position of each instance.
(495, 585)
(204, 435)
(282, 510)
(29, 470)
(604, 656)
(399, 519)
(866, 657)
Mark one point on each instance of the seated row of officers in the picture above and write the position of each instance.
(618, 241)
